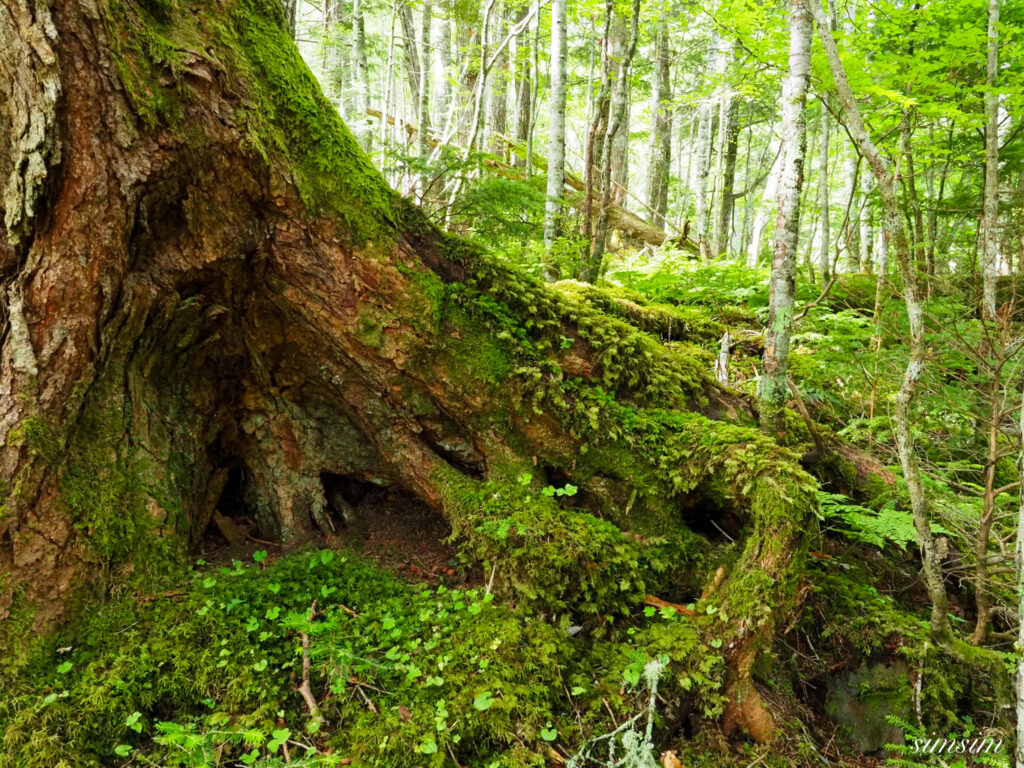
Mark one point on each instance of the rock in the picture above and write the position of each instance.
(860, 701)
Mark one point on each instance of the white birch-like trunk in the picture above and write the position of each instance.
(556, 140)
(773, 388)
(703, 153)
(824, 260)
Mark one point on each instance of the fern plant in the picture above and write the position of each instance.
(888, 525)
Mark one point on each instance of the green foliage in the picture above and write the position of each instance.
(207, 675)
(886, 525)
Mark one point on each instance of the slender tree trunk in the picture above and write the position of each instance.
(915, 366)
(426, 66)
(291, 11)
(703, 168)
(729, 129)
(362, 75)
(983, 536)
(410, 51)
(659, 152)
(990, 205)
(867, 237)
(616, 119)
(535, 92)
(824, 259)
(444, 49)
(851, 229)
(766, 208)
(595, 132)
(556, 138)
(620, 104)
(773, 389)
(524, 86)
(917, 223)
(499, 96)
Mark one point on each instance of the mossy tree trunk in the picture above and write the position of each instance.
(202, 271)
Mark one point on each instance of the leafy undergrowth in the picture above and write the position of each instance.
(401, 674)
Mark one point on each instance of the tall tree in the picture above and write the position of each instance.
(766, 208)
(659, 152)
(773, 388)
(990, 206)
(940, 628)
(618, 106)
(556, 137)
(824, 214)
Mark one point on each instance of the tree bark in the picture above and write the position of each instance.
(362, 74)
(659, 153)
(556, 136)
(730, 131)
(824, 259)
(523, 87)
(617, 117)
(773, 389)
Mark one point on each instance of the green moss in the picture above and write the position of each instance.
(550, 559)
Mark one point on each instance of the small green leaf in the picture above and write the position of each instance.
(549, 733)
(483, 701)
(122, 750)
(64, 668)
(428, 747)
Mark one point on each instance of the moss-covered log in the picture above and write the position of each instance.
(212, 277)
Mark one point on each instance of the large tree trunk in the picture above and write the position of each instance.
(203, 272)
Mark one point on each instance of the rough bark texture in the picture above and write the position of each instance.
(29, 90)
(729, 132)
(220, 281)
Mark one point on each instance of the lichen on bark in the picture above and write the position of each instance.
(29, 91)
